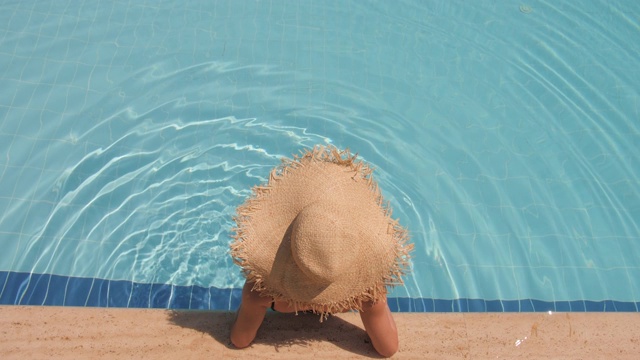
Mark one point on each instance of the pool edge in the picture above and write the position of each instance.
(72, 332)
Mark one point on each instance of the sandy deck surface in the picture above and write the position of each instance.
(92, 333)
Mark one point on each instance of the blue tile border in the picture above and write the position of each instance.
(17, 288)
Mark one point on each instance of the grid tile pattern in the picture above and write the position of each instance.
(35, 289)
(506, 141)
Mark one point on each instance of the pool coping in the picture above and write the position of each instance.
(80, 332)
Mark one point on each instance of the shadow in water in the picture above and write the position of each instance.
(280, 330)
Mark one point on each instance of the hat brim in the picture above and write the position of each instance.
(261, 241)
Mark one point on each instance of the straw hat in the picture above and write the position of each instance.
(319, 236)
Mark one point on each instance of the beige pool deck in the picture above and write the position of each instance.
(100, 333)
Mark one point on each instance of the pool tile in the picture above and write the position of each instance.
(3, 280)
(441, 305)
(56, 290)
(594, 306)
(140, 295)
(35, 292)
(460, 305)
(14, 286)
(200, 298)
(220, 298)
(577, 306)
(430, 305)
(419, 305)
(44, 289)
(609, 306)
(405, 304)
(181, 297)
(539, 305)
(526, 306)
(625, 306)
(562, 306)
(160, 295)
(477, 305)
(234, 299)
(494, 306)
(98, 294)
(511, 305)
(77, 291)
(393, 304)
(119, 293)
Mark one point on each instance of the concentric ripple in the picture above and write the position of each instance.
(505, 135)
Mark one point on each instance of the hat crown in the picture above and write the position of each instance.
(320, 243)
(318, 234)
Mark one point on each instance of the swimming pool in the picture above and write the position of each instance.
(505, 135)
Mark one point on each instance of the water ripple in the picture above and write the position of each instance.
(504, 136)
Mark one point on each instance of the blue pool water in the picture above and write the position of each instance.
(505, 135)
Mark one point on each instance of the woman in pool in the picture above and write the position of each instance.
(318, 238)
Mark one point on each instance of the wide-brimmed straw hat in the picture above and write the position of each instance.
(319, 234)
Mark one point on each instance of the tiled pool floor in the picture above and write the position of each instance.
(68, 332)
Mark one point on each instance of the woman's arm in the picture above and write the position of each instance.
(250, 316)
(380, 326)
